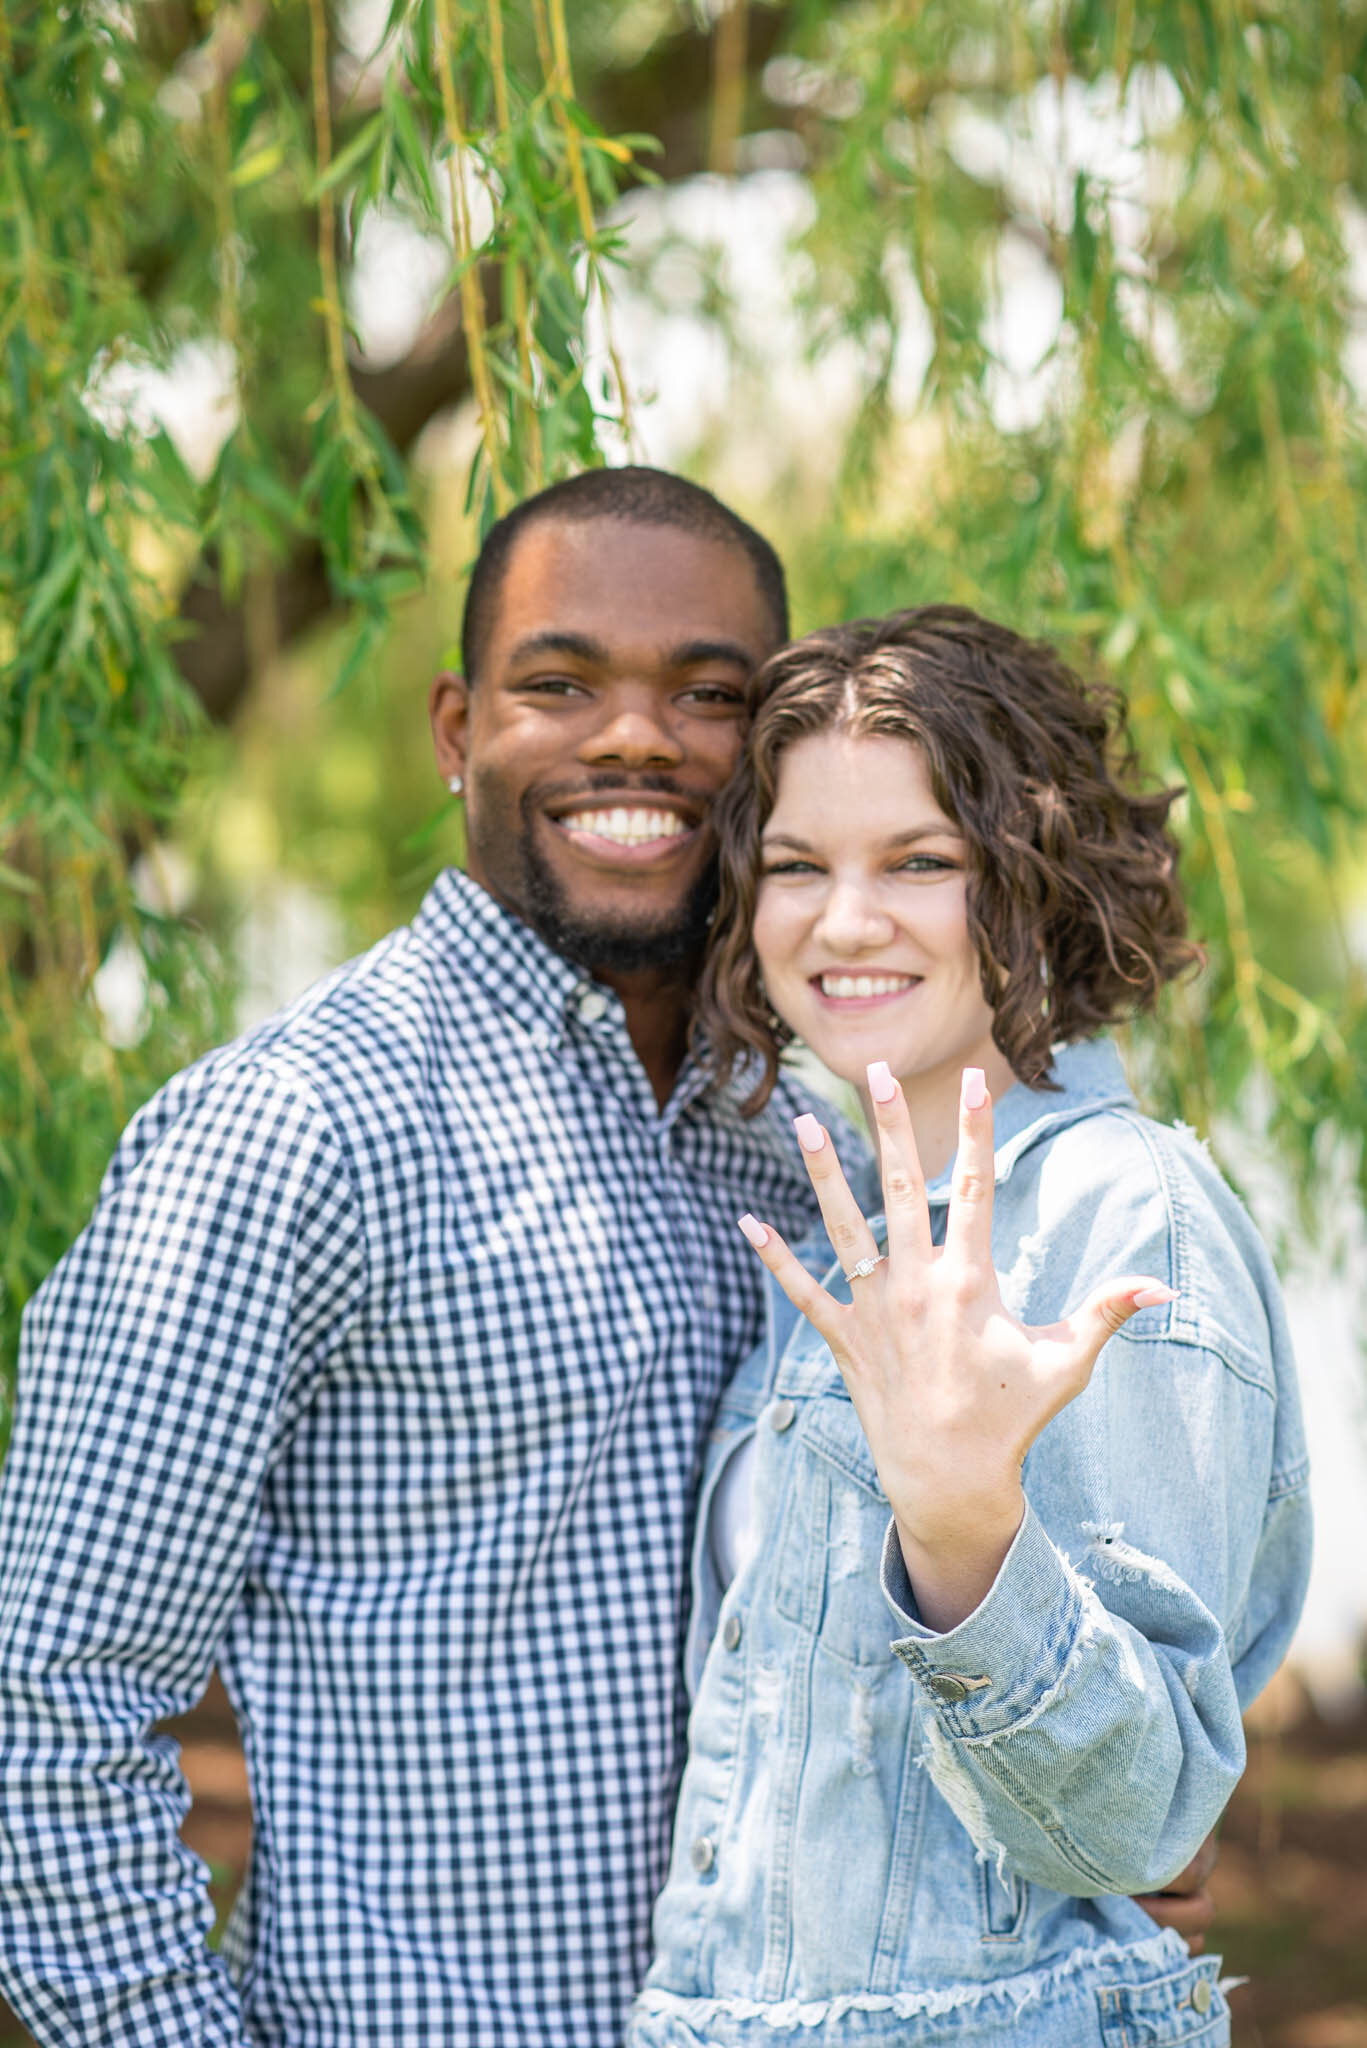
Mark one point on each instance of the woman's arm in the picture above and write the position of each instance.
(1078, 1669)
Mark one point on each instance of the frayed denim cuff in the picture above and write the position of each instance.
(1006, 1657)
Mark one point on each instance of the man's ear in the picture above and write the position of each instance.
(448, 708)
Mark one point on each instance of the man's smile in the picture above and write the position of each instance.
(631, 831)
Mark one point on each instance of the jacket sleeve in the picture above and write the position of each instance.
(1084, 1721)
(160, 1363)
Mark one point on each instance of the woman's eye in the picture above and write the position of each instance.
(925, 864)
(789, 867)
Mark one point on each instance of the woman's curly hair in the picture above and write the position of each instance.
(1073, 901)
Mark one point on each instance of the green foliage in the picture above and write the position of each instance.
(1187, 510)
(158, 190)
(1180, 500)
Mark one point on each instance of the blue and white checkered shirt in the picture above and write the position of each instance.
(380, 1378)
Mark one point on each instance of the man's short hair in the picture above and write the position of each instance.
(644, 497)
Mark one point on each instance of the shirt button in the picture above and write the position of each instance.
(731, 1631)
(783, 1415)
(704, 1854)
(593, 1006)
(950, 1690)
(1201, 1994)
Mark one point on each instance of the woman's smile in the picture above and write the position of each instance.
(864, 988)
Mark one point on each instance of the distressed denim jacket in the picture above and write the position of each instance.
(886, 1834)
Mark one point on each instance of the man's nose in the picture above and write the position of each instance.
(852, 921)
(634, 732)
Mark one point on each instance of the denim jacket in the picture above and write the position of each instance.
(932, 1839)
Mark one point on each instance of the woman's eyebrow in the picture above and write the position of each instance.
(907, 838)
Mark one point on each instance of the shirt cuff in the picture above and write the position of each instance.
(1005, 1658)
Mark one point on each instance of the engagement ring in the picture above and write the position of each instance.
(865, 1267)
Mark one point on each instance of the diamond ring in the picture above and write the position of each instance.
(865, 1267)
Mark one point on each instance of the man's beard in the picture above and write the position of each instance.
(617, 945)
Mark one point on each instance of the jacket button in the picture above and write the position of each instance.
(704, 1854)
(1201, 1994)
(950, 1690)
(593, 1005)
(730, 1633)
(783, 1415)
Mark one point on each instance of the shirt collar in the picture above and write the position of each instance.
(541, 990)
(1088, 1077)
(461, 922)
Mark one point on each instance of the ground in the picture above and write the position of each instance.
(1290, 1887)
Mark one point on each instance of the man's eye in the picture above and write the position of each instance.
(551, 686)
(713, 693)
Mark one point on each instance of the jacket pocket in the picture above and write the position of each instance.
(826, 1578)
(1002, 1898)
(1168, 2013)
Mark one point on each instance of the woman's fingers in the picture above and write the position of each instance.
(807, 1295)
(846, 1224)
(1079, 1339)
(904, 1185)
(968, 1232)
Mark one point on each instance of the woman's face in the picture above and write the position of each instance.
(860, 923)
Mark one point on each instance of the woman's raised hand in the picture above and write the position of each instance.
(950, 1389)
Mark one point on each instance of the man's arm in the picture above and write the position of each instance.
(1186, 1904)
(155, 1363)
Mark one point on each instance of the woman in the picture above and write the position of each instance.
(981, 1585)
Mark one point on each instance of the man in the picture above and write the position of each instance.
(380, 1375)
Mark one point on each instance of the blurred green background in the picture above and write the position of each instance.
(1053, 308)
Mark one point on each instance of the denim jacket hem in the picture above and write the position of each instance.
(1099, 1970)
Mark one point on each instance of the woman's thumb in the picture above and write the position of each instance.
(1111, 1307)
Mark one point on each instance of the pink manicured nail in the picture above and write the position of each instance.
(810, 1135)
(882, 1087)
(974, 1088)
(754, 1230)
(1150, 1297)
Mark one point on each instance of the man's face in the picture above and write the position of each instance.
(606, 717)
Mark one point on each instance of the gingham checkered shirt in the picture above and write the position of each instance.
(380, 1378)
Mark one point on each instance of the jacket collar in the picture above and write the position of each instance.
(1089, 1077)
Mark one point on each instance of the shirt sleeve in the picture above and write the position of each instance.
(1084, 1720)
(159, 1366)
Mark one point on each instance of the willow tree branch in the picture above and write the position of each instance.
(667, 94)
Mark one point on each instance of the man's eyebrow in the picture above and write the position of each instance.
(690, 653)
(559, 640)
(584, 647)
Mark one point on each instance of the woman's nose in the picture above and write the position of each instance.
(852, 920)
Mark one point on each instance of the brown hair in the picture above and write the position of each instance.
(1073, 899)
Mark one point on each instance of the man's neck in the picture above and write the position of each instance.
(657, 1003)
